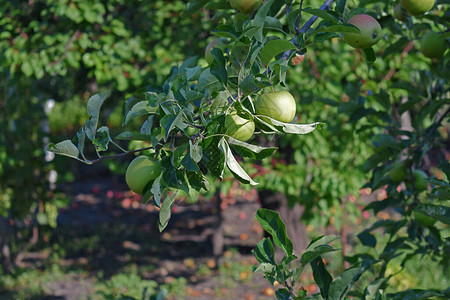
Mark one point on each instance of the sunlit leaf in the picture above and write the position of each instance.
(234, 166)
(93, 109)
(66, 148)
(272, 223)
(273, 48)
(166, 211)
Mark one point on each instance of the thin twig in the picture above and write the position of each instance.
(305, 27)
(75, 35)
(402, 56)
(91, 162)
(435, 125)
(313, 19)
(299, 18)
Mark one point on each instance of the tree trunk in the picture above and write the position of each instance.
(218, 239)
(5, 254)
(291, 216)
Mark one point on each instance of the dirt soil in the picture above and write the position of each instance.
(123, 231)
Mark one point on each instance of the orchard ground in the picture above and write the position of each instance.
(107, 243)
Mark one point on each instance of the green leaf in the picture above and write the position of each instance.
(367, 239)
(102, 140)
(193, 6)
(445, 166)
(272, 223)
(415, 294)
(259, 20)
(206, 80)
(169, 122)
(262, 13)
(369, 56)
(273, 48)
(340, 6)
(341, 285)
(295, 128)
(265, 268)
(218, 66)
(169, 175)
(156, 191)
(127, 135)
(250, 150)
(273, 23)
(439, 212)
(372, 290)
(321, 14)
(234, 166)
(81, 137)
(139, 109)
(197, 181)
(93, 109)
(166, 211)
(195, 151)
(310, 255)
(214, 159)
(338, 28)
(193, 73)
(220, 104)
(321, 240)
(283, 294)
(189, 163)
(248, 85)
(66, 148)
(321, 276)
(264, 252)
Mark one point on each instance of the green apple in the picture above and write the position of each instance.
(217, 42)
(191, 131)
(432, 45)
(239, 128)
(280, 106)
(399, 13)
(423, 219)
(420, 180)
(140, 172)
(244, 6)
(417, 7)
(398, 172)
(370, 32)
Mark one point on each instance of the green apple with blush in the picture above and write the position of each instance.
(370, 32)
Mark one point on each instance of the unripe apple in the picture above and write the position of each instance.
(370, 32)
(417, 7)
(215, 42)
(432, 45)
(239, 128)
(420, 180)
(398, 172)
(399, 13)
(244, 6)
(140, 172)
(280, 106)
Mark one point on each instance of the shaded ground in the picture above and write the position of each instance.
(107, 231)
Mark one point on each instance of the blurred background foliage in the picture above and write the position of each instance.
(54, 56)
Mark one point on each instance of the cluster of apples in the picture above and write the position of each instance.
(398, 174)
(280, 106)
(432, 45)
